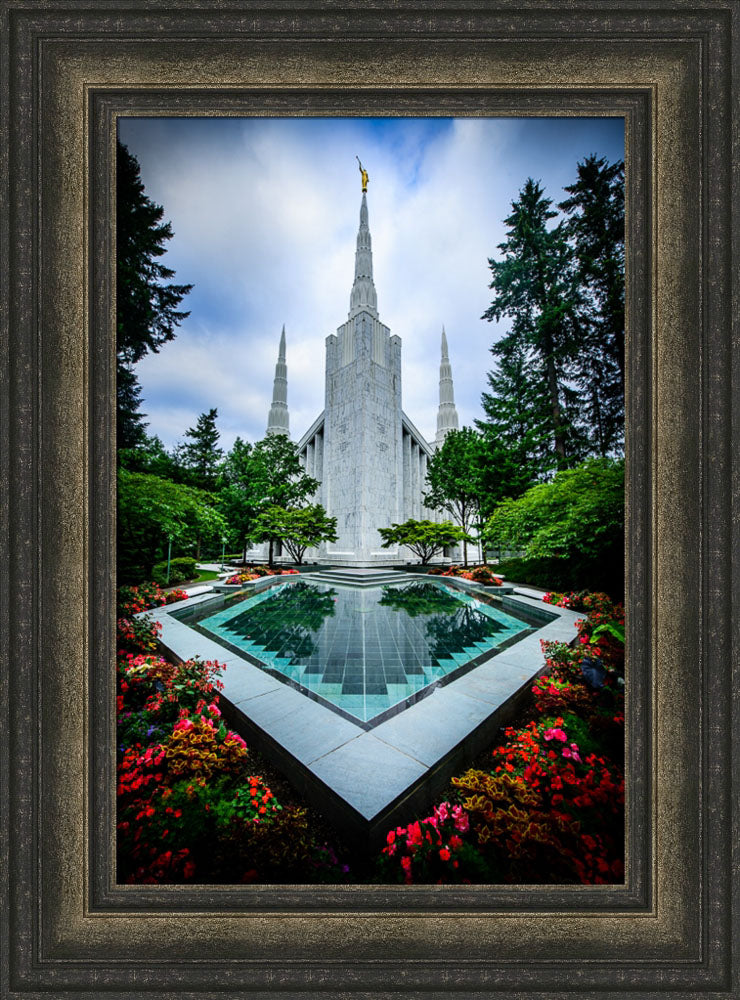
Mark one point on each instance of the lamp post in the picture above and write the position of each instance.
(223, 551)
(169, 558)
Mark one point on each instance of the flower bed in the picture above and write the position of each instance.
(478, 574)
(256, 573)
(548, 805)
(544, 806)
(190, 806)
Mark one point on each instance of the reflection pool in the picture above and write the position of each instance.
(366, 653)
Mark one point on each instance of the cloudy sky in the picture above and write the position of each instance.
(265, 214)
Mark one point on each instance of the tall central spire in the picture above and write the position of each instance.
(364, 298)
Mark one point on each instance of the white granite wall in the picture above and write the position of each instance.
(362, 443)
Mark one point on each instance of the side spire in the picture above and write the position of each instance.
(277, 421)
(364, 298)
(447, 414)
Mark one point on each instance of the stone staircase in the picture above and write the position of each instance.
(359, 577)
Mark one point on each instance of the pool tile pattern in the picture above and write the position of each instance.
(364, 652)
(369, 779)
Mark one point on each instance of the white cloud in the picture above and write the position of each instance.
(265, 215)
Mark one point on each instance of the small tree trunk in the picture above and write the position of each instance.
(269, 558)
(559, 437)
(463, 525)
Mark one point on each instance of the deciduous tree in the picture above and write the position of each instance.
(283, 481)
(424, 538)
(299, 528)
(578, 516)
(242, 492)
(152, 510)
(453, 481)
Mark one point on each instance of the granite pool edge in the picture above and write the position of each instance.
(367, 781)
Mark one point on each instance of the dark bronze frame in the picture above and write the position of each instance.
(68, 71)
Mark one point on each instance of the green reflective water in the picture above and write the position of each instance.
(364, 651)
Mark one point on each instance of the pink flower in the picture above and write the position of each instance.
(461, 820)
(214, 710)
(555, 734)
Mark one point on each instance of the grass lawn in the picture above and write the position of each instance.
(205, 574)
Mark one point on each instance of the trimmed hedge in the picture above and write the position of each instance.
(181, 568)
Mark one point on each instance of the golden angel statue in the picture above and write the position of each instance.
(364, 175)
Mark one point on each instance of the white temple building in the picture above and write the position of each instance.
(368, 456)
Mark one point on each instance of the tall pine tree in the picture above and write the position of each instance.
(146, 307)
(596, 229)
(535, 285)
(516, 429)
(201, 454)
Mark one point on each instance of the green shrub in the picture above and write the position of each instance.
(569, 574)
(181, 568)
(570, 530)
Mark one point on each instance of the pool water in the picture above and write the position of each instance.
(364, 652)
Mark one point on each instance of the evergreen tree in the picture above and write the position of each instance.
(130, 424)
(146, 307)
(151, 456)
(200, 455)
(516, 448)
(535, 284)
(596, 229)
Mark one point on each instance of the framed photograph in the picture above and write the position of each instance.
(74, 75)
(365, 647)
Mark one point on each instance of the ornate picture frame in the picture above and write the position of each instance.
(68, 71)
